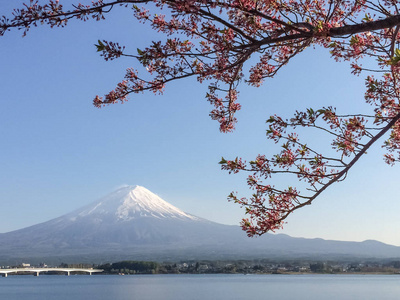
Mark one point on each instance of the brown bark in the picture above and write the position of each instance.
(364, 27)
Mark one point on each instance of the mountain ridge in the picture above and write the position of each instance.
(133, 223)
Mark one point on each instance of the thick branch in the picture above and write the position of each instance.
(364, 27)
(333, 32)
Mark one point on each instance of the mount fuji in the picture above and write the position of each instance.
(134, 223)
(131, 220)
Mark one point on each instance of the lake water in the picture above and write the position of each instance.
(187, 287)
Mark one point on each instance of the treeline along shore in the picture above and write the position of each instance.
(249, 267)
(130, 267)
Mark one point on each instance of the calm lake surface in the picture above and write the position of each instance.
(183, 287)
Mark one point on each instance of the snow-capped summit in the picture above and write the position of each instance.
(132, 202)
(130, 217)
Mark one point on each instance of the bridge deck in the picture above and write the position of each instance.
(37, 271)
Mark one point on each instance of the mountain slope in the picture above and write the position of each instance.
(134, 223)
(131, 216)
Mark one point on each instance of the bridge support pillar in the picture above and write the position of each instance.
(36, 274)
(68, 273)
(5, 275)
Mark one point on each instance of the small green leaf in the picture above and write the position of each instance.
(354, 40)
(270, 120)
(100, 46)
(396, 58)
(223, 161)
(332, 45)
(366, 18)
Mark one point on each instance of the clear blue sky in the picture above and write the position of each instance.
(58, 152)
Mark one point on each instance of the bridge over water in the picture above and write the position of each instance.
(37, 271)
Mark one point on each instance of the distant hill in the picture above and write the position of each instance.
(133, 223)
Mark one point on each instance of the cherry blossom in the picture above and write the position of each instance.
(213, 42)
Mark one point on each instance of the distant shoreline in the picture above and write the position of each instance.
(256, 267)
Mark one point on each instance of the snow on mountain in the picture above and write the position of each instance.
(130, 217)
(132, 202)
